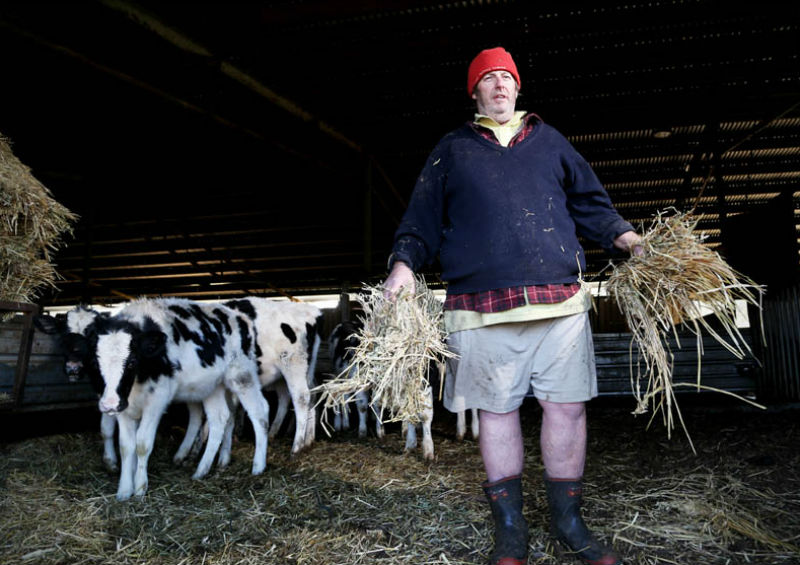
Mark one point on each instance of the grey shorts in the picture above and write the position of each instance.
(498, 365)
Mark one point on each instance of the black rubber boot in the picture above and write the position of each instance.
(567, 525)
(510, 527)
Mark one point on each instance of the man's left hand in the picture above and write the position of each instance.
(630, 241)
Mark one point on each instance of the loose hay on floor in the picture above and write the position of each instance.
(676, 283)
(352, 501)
(397, 343)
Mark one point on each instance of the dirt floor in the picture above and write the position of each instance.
(348, 501)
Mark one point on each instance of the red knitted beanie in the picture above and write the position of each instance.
(495, 59)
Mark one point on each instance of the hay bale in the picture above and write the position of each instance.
(670, 285)
(398, 342)
(32, 224)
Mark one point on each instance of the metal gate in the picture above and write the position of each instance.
(781, 356)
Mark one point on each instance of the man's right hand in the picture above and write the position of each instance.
(400, 277)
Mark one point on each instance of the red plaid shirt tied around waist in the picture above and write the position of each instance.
(503, 299)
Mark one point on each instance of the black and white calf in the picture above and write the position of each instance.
(341, 342)
(287, 346)
(156, 351)
(76, 334)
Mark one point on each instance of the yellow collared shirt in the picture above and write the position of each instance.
(503, 132)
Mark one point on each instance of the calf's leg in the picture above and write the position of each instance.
(282, 409)
(362, 404)
(192, 429)
(145, 438)
(108, 425)
(218, 417)
(247, 389)
(461, 425)
(127, 455)
(304, 413)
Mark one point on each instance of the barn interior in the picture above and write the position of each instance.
(214, 150)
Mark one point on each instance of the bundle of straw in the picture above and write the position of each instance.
(396, 345)
(31, 226)
(674, 283)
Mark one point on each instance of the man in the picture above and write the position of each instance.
(502, 201)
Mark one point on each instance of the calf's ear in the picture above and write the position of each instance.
(49, 324)
(152, 344)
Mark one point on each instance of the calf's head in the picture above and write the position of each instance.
(342, 343)
(74, 333)
(126, 354)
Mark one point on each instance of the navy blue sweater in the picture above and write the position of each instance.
(500, 217)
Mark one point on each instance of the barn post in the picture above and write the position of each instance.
(26, 344)
(344, 304)
(367, 214)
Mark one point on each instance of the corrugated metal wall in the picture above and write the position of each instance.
(781, 357)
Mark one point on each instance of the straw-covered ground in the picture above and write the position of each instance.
(349, 501)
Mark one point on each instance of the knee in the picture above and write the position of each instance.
(564, 411)
(497, 417)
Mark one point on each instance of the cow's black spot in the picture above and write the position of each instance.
(223, 318)
(258, 359)
(217, 323)
(244, 333)
(209, 342)
(243, 305)
(288, 332)
(311, 334)
(155, 362)
(180, 332)
(180, 311)
(243, 380)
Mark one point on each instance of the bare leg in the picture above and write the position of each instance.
(501, 444)
(564, 454)
(563, 438)
(502, 451)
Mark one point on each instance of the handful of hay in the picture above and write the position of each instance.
(397, 344)
(672, 284)
(31, 226)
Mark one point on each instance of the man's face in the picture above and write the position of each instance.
(496, 95)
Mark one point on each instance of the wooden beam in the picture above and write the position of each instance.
(156, 91)
(182, 41)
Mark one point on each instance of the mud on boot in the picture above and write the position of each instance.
(510, 527)
(567, 526)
